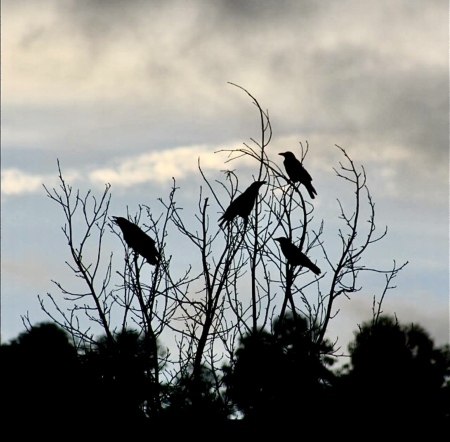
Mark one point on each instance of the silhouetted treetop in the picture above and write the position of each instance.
(41, 379)
(398, 374)
(280, 374)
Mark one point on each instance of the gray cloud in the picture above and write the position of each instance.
(361, 67)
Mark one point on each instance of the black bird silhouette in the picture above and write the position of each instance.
(138, 240)
(242, 205)
(294, 255)
(297, 173)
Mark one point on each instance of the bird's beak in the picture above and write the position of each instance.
(282, 154)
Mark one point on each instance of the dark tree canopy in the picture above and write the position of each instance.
(40, 376)
(281, 374)
(118, 375)
(397, 376)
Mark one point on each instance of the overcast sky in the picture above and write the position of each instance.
(132, 93)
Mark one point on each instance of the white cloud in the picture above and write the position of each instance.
(154, 167)
(160, 166)
(17, 182)
(392, 170)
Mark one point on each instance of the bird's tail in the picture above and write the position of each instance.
(311, 190)
(315, 269)
(154, 260)
(222, 221)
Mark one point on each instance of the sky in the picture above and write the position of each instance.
(133, 93)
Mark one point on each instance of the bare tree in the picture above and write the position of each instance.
(246, 280)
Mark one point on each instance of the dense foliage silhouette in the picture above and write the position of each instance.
(397, 377)
(280, 375)
(118, 374)
(397, 380)
(41, 377)
(195, 399)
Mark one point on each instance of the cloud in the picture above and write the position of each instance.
(157, 167)
(177, 53)
(382, 77)
(393, 171)
(163, 165)
(91, 76)
(18, 182)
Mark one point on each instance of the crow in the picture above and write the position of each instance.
(138, 240)
(297, 173)
(294, 255)
(242, 205)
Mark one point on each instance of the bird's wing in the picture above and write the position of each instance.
(306, 175)
(306, 262)
(229, 214)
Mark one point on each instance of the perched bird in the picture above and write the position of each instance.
(294, 255)
(242, 205)
(297, 173)
(138, 240)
